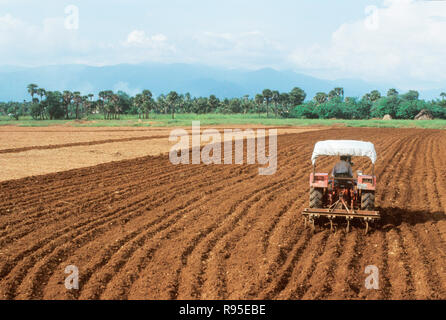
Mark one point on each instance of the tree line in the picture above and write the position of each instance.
(371, 105)
(45, 104)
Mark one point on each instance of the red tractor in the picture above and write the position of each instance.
(340, 195)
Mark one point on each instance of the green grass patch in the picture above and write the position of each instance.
(157, 120)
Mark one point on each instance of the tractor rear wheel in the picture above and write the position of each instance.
(316, 198)
(368, 201)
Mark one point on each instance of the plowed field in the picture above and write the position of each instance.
(146, 229)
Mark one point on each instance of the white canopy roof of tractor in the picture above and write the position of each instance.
(344, 148)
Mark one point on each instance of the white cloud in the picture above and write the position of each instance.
(401, 42)
(407, 45)
(124, 86)
(9, 27)
(140, 47)
(24, 43)
(139, 38)
(247, 42)
(246, 49)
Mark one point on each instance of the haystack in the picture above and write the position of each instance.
(424, 115)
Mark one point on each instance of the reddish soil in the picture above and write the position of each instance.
(145, 229)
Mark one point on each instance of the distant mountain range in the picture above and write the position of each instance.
(198, 80)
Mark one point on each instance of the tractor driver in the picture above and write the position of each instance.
(343, 169)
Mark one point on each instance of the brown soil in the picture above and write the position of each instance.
(145, 229)
(17, 139)
(34, 151)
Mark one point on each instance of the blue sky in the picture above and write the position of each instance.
(389, 40)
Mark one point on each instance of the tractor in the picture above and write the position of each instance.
(341, 196)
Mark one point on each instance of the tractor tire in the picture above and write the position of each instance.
(368, 201)
(316, 198)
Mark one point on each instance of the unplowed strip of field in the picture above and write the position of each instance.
(19, 139)
(146, 229)
(35, 151)
(76, 144)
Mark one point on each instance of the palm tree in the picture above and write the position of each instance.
(105, 98)
(443, 95)
(172, 98)
(339, 91)
(32, 89)
(392, 93)
(375, 95)
(86, 104)
(162, 103)
(67, 97)
(77, 101)
(366, 97)
(284, 99)
(245, 103)
(213, 103)
(336, 92)
(90, 105)
(267, 95)
(297, 96)
(320, 97)
(146, 102)
(275, 98)
(41, 92)
(138, 102)
(116, 109)
(259, 100)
